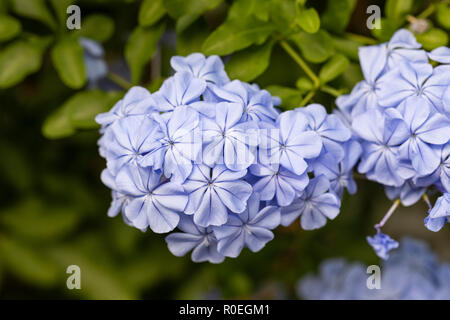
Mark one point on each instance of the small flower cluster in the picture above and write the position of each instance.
(215, 159)
(412, 273)
(400, 113)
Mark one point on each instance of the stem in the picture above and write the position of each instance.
(427, 201)
(360, 38)
(334, 92)
(119, 81)
(308, 97)
(300, 62)
(388, 214)
(427, 12)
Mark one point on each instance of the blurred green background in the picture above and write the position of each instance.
(52, 203)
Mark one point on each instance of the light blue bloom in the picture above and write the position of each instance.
(314, 206)
(96, 67)
(329, 127)
(256, 104)
(419, 81)
(382, 133)
(340, 174)
(180, 146)
(427, 131)
(227, 140)
(119, 200)
(382, 244)
(439, 215)
(200, 240)
(212, 192)
(183, 89)
(290, 142)
(134, 137)
(409, 193)
(403, 46)
(251, 228)
(441, 55)
(441, 174)
(210, 70)
(279, 183)
(412, 272)
(153, 203)
(137, 101)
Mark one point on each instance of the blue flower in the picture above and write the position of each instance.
(183, 89)
(329, 127)
(409, 193)
(279, 183)
(290, 142)
(152, 203)
(441, 174)
(251, 228)
(382, 244)
(403, 46)
(314, 206)
(119, 200)
(227, 140)
(439, 215)
(381, 135)
(134, 137)
(212, 192)
(180, 146)
(210, 70)
(257, 104)
(420, 81)
(137, 101)
(340, 174)
(441, 55)
(412, 272)
(427, 130)
(96, 66)
(200, 240)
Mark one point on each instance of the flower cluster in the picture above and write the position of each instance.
(215, 159)
(400, 113)
(412, 272)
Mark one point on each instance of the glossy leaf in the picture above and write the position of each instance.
(316, 47)
(150, 12)
(337, 15)
(309, 20)
(10, 27)
(34, 9)
(67, 56)
(333, 68)
(97, 27)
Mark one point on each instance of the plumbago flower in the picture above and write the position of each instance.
(382, 244)
(216, 163)
(400, 115)
(439, 215)
(412, 273)
(314, 206)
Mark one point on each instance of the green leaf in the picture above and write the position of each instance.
(282, 14)
(34, 219)
(67, 56)
(290, 98)
(309, 20)
(9, 27)
(78, 113)
(304, 84)
(28, 264)
(17, 61)
(246, 65)
(34, 9)
(386, 31)
(333, 68)
(60, 8)
(58, 125)
(85, 106)
(337, 15)
(433, 38)
(140, 49)
(179, 8)
(150, 12)
(347, 47)
(316, 47)
(237, 34)
(97, 27)
(257, 8)
(396, 10)
(443, 15)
